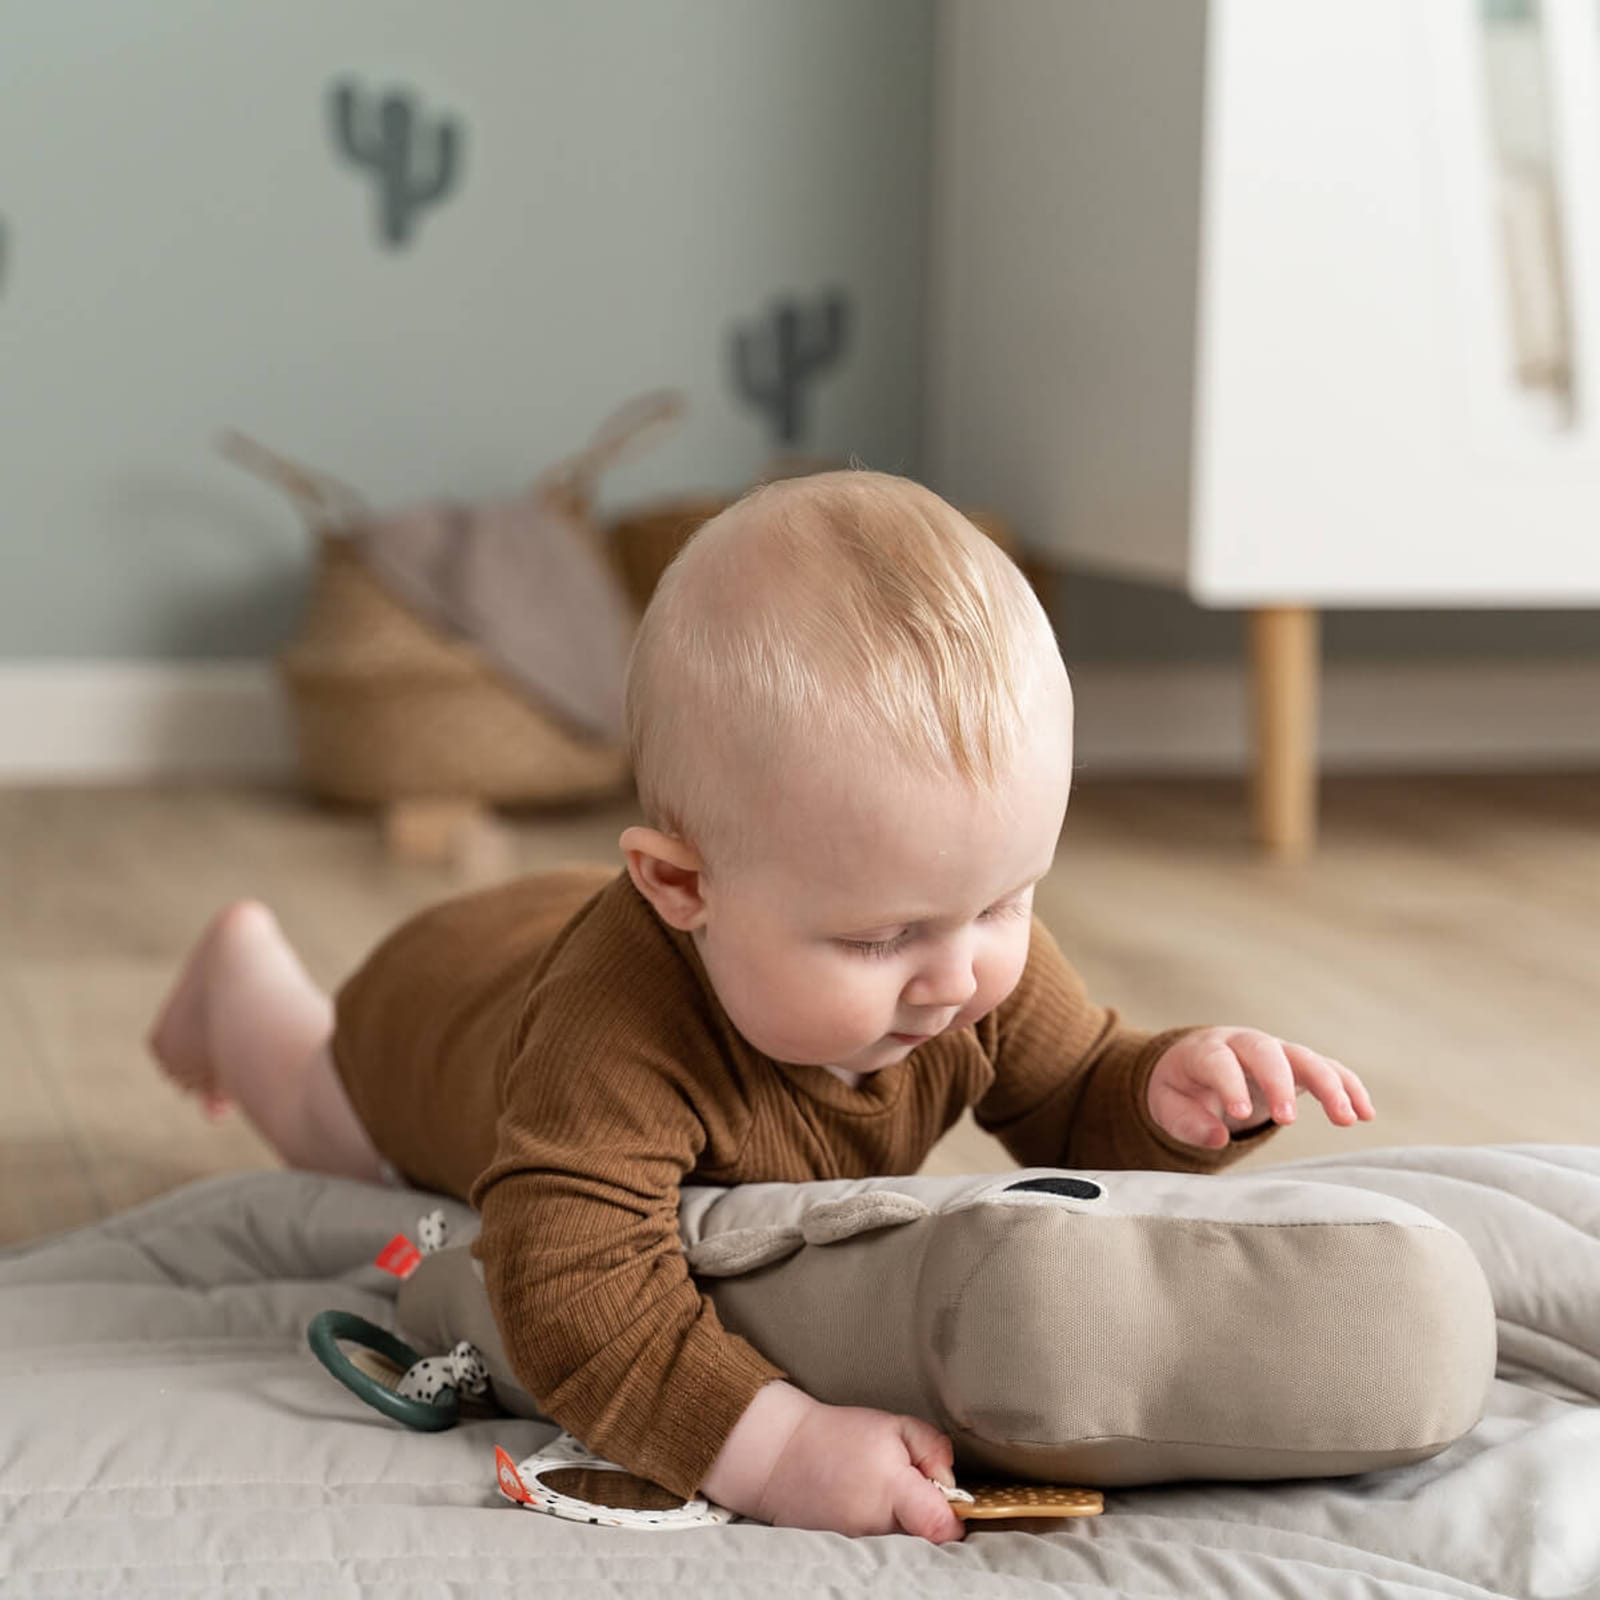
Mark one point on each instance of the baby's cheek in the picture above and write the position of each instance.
(834, 1003)
(810, 1011)
(997, 974)
(860, 1004)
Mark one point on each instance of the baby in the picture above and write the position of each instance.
(852, 734)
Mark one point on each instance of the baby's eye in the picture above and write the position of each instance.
(878, 947)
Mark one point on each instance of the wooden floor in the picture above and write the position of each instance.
(1445, 942)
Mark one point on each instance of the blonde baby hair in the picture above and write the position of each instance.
(850, 611)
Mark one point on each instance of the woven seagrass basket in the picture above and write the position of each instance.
(643, 543)
(389, 709)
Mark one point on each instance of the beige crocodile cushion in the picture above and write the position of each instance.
(1097, 1328)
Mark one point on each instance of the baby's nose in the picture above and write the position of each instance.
(951, 983)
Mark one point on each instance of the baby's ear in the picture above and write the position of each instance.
(666, 871)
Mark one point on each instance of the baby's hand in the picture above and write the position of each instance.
(1215, 1081)
(859, 1471)
(797, 1463)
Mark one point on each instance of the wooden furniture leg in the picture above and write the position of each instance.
(1283, 658)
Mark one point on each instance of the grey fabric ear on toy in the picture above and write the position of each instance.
(1099, 1328)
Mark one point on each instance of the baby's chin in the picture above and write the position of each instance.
(885, 1052)
(863, 1061)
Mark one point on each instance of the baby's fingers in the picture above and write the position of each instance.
(1219, 1068)
(1340, 1091)
(1264, 1059)
(1357, 1091)
(931, 1452)
(921, 1510)
(920, 1507)
(1185, 1116)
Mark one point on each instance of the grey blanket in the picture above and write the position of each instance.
(164, 1430)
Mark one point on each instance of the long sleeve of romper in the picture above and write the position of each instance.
(580, 1246)
(1071, 1080)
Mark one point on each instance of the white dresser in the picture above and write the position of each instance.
(1291, 304)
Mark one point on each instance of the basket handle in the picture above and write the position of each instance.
(622, 434)
(324, 501)
(327, 502)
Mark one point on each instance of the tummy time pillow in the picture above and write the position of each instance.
(1100, 1328)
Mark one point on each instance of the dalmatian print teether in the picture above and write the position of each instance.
(433, 1232)
(462, 1369)
(422, 1392)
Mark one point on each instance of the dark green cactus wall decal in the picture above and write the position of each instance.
(776, 358)
(414, 161)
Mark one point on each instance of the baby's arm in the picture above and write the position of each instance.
(584, 1270)
(1075, 1087)
(1071, 1083)
(606, 1328)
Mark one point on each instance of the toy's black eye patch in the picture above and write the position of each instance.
(1067, 1188)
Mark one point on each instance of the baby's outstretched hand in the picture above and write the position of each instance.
(1215, 1081)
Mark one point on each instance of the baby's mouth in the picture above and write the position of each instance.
(921, 1036)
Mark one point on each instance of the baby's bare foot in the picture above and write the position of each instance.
(180, 1036)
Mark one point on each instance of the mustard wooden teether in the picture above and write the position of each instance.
(1024, 1500)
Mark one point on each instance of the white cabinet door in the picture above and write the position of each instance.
(1361, 435)
(1218, 298)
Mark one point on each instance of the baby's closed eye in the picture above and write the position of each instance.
(1015, 906)
(878, 947)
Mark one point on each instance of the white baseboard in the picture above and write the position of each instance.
(115, 721)
(120, 721)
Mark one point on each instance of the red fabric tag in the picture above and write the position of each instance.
(400, 1257)
(510, 1480)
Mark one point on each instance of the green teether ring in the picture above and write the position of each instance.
(323, 1335)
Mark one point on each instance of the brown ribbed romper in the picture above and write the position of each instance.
(551, 1051)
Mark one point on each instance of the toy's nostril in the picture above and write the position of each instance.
(1067, 1188)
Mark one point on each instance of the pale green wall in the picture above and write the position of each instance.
(184, 251)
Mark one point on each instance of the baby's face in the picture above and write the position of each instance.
(881, 908)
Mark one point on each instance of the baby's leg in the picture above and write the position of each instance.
(245, 1022)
